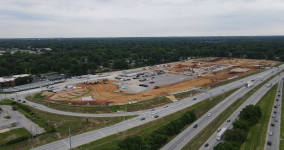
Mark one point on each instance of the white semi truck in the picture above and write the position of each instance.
(249, 84)
(221, 133)
(268, 84)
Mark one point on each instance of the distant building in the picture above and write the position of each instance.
(7, 82)
(10, 81)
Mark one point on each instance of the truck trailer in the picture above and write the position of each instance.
(249, 84)
(221, 133)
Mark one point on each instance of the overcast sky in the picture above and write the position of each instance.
(124, 18)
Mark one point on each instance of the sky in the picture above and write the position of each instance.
(140, 18)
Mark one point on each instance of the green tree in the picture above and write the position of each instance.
(251, 114)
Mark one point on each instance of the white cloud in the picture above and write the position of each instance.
(107, 18)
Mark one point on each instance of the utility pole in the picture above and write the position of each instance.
(70, 138)
(17, 96)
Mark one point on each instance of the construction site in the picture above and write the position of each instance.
(132, 86)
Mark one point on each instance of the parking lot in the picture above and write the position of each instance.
(17, 120)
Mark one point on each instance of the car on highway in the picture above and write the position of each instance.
(275, 106)
(228, 120)
(206, 145)
(195, 126)
(268, 143)
(143, 118)
(276, 120)
(156, 116)
(19, 100)
(13, 98)
(166, 106)
(270, 133)
(153, 109)
(278, 104)
(276, 99)
(24, 101)
(273, 116)
(153, 113)
(209, 115)
(219, 129)
(194, 99)
(14, 108)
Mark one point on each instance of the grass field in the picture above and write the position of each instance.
(202, 137)
(60, 124)
(110, 142)
(183, 95)
(148, 104)
(14, 136)
(257, 134)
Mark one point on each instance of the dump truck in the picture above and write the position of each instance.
(105, 81)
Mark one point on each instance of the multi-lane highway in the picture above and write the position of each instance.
(161, 111)
(212, 141)
(273, 139)
(188, 134)
(184, 103)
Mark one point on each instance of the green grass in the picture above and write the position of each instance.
(203, 136)
(159, 101)
(14, 136)
(183, 95)
(256, 139)
(110, 142)
(281, 145)
(58, 125)
(7, 117)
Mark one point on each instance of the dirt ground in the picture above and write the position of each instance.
(105, 92)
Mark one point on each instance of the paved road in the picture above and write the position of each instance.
(100, 133)
(188, 134)
(212, 141)
(275, 137)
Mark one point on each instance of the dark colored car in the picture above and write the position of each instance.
(206, 145)
(156, 116)
(24, 101)
(195, 126)
(14, 108)
(143, 118)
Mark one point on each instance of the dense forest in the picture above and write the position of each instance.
(77, 56)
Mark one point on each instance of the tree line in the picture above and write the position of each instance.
(93, 55)
(236, 136)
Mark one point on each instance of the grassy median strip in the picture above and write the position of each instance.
(111, 142)
(211, 128)
(56, 125)
(155, 102)
(257, 134)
